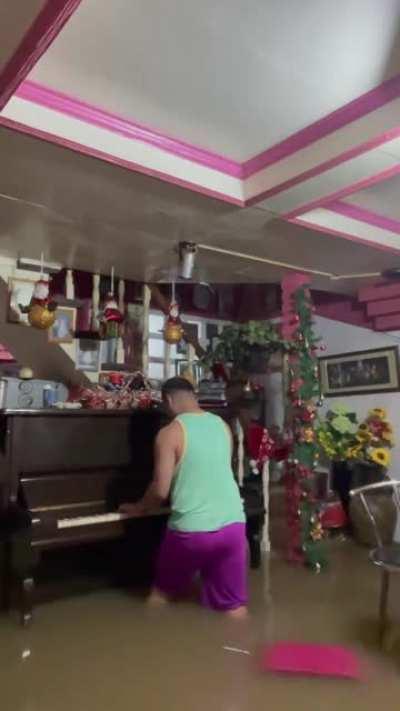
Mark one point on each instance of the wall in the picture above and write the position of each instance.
(343, 338)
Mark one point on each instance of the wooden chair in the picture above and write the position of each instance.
(386, 555)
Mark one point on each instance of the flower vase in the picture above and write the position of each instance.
(342, 482)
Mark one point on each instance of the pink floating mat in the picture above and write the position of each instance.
(311, 660)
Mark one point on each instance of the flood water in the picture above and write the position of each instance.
(107, 651)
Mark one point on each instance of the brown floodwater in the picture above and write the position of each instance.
(106, 651)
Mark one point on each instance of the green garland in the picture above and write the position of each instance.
(306, 540)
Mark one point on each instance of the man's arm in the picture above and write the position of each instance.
(165, 460)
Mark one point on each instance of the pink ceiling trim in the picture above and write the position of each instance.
(356, 109)
(363, 215)
(43, 30)
(343, 192)
(94, 115)
(343, 235)
(327, 165)
(81, 110)
(128, 165)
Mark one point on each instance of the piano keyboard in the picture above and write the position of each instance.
(89, 520)
(103, 518)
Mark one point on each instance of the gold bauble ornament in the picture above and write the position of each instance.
(309, 435)
(40, 317)
(317, 532)
(173, 332)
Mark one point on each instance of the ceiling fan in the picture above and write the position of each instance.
(185, 270)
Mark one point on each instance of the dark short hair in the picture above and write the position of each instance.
(176, 385)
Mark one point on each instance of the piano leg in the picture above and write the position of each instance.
(27, 587)
(4, 576)
(22, 563)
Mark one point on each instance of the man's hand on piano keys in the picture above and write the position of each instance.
(132, 510)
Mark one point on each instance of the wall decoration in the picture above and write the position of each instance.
(361, 372)
(111, 320)
(88, 355)
(20, 292)
(41, 308)
(63, 329)
(173, 331)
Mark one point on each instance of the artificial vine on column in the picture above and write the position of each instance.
(306, 542)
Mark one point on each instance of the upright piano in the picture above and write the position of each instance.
(63, 475)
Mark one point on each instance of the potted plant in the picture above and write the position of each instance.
(246, 348)
(370, 458)
(336, 436)
(370, 455)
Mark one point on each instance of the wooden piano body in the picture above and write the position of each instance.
(62, 473)
(58, 466)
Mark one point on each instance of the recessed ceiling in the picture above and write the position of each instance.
(382, 198)
(233, 77)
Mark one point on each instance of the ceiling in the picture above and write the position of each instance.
(233, 76)
(270, 129)
(89, 214)
(382, 198)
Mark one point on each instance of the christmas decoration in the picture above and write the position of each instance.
(173, 331)
(260, 446)
(118, 392)
(306, 543)
(111, 320)
(41, 310)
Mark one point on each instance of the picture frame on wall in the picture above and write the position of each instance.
(63, 328)
(20, 293)
(88, 355)
(360, 372)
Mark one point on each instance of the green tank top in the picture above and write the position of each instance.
(204, 493)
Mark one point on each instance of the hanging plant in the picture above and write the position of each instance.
(240, 345)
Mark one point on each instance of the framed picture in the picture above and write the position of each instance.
(361, 372)
(20, 292)
(88, 355)
(63, 329)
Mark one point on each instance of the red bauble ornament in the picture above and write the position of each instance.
(322, 348)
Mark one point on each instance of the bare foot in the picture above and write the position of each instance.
(240, 613)
(157, 599)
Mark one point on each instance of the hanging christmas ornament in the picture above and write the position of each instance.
(111, 320)
(41, 310)
(173, 330)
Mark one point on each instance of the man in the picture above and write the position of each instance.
(206, 529)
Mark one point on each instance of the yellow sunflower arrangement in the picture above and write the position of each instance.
(375, 438)
(381, 456)
(342, 438)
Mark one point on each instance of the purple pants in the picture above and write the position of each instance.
(219, 556)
